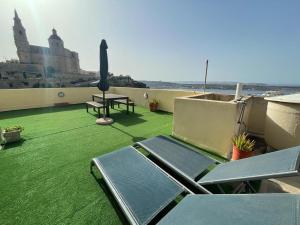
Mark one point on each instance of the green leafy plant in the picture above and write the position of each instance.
(13, 128)
(154, 101)
(243, 143)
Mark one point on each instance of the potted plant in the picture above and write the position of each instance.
(153, 105)
(11, 134)
(242, 147)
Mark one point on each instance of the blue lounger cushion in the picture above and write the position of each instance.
(281, 163)
(189, 164)
(140, 187)
(178, 156)
(258, 209)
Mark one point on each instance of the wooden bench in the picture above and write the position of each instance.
(124, 102)
(95, 105)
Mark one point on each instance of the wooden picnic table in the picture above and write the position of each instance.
(109, 98)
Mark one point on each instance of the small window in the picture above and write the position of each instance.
(20, 32)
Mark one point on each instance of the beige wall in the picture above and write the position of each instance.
(13, 99)
(204, 123)
(282, 127)
(165, 97)
(257, 116)
(207, 124)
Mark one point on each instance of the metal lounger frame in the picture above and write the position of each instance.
(245, 179)
(261, 177)
(245, 182)
(115, 193)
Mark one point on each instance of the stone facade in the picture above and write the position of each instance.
(21, 75)
(53, 66)
(55, 58)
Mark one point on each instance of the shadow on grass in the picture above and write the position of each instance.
(159, 112)
(127, 119)
(61, 131)
(10, 146)
(95, 114)
(110, 197)
(36, 111)
(120, 116)
(133, 138)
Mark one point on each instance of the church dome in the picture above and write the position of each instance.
(54, 35)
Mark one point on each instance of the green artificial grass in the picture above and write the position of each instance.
(46, 180)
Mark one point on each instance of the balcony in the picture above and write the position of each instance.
(45, 178)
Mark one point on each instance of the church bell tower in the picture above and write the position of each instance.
(22, 44)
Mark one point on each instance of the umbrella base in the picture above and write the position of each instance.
(104, 121)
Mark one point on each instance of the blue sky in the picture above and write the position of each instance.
(245, 41)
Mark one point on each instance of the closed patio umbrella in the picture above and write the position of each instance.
(103, 84)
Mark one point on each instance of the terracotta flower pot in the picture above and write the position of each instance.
(153, 106)
(238, 154)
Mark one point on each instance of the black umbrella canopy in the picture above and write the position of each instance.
(103, 85)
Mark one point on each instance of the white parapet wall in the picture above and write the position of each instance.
(165, 97)
(15, 99)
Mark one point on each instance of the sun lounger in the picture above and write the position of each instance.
(259, 209)
(140, 187)
(180, 159)
(186, 162)
(277, 164)
(143, 190)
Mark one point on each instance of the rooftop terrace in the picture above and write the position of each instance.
(46, 180)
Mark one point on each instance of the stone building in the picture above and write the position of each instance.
(53, 66)
(56, 58)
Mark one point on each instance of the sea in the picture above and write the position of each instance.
(227, 88)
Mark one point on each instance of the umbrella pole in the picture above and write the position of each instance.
(104, 120)
(104, 105)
